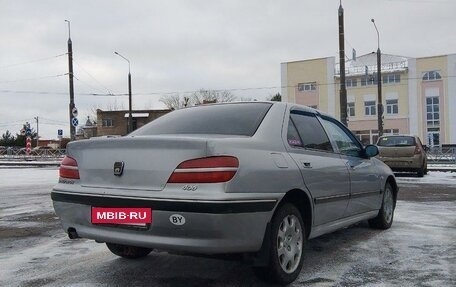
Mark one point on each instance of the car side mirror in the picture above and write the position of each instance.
(371, 150)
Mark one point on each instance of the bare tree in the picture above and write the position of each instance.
(218, 96)
(174, 102)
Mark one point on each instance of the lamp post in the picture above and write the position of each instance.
(343, 89)
(379, 84)
(70, 78)
(130, 119)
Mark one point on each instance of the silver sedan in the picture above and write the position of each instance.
(257, 178)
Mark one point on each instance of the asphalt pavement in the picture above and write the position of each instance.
(419, 249)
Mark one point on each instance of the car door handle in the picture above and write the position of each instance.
(306, 164)
(350, 165)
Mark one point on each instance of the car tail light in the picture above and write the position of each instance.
(205, 170)
(69, 168)
(417, 149)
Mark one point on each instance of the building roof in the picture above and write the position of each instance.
(390, 63)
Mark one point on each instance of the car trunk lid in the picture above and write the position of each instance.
(147, 161)
(397, 151)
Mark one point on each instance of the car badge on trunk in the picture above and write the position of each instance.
(118, 168)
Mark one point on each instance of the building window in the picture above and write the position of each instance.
(391, 78)
(388, 132)
(307, 87)
(392, 107)
(432, 112)
(369, 108)
(433, 137)
(107, 123)
(368, 81)
(367, 136)
(351, 82)
(431, 76)
(351, 109)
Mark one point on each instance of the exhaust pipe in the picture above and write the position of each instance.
(72, 234)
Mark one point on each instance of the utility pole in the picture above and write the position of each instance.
(343, 89)
(70, 76)
(379, 85)
(130, 117)
(37, 131)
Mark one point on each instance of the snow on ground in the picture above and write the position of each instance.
(10, 177)
(419, 249)
(433, 177)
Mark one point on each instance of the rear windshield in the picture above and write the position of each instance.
(230, 119)
(396, 141)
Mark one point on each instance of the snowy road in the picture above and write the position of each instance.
(419, 250)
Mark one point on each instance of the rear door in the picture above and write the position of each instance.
(324, 172)
(365, 189)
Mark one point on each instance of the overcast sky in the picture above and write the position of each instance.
(182, 46)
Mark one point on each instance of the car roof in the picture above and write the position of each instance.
(401, 135)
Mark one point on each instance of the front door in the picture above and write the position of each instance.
(324, 172)
(365, 189)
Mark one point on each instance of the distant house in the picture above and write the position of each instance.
(116, 122)
(418, 94)
(49, 143)
(87, 131)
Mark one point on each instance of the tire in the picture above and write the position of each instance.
(420, 172)
(129, 252)
(286, 248)
(385, 216)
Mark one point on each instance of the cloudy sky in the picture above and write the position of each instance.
(182, 46)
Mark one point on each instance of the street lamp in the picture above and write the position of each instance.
(130, 119)
(379, 84)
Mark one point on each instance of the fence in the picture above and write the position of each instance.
(435, 155)
(37, 155)
(441, 155)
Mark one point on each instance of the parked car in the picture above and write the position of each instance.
(257, 178)
(403, 153)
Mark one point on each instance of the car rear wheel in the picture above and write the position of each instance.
(420, 171)
(129, 252)
(286, 248)
(385, 215)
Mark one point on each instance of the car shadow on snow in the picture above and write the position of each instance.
(165, 269)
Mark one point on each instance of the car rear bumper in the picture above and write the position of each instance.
(403, 163)
(210, 227)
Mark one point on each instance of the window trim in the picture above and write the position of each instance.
(436, 73)
(392, 107)
(349, 109)
(370, 113)
(103, 120)
(394, 78)
(348, 132)
(306, 113)
(308, 84)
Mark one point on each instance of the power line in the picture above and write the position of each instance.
(88, 85)
(193, 91)
(32, 61)
(33, 79)
(82, 68)
(53, 120)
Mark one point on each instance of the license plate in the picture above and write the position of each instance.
(121, 215)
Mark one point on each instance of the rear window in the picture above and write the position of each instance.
(396, 141)
(230, 119)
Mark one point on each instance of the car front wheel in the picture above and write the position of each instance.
(129, 252)
(286, 249)
(385, 215)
